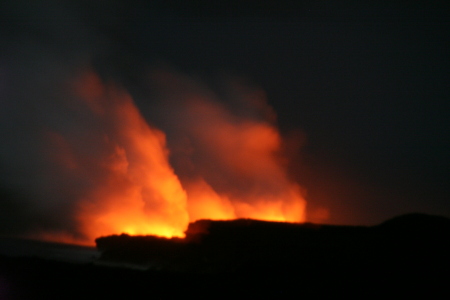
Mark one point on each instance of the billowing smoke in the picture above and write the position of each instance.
(228, 149)
(89, 164)
(79, 159)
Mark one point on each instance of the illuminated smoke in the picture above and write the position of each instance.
(125, 183)
(228, 166)
(234, 157)
(81, 158)
(107, 171)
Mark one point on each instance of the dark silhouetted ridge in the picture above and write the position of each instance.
(249, 259)
(404, 245)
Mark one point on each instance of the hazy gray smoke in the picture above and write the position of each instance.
(43, 45)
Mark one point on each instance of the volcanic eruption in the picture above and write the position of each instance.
(125, 178)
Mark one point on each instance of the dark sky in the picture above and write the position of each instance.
(366, 83)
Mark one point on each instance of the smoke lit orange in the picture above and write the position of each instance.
(132, 188)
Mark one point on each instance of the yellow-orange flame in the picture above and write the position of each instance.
(133, 188)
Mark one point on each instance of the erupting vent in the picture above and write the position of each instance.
(224, 165)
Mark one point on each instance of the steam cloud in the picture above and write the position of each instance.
(79, 159)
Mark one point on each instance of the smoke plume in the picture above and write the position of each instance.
(80, 159)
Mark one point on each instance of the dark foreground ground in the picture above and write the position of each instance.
(406, 256)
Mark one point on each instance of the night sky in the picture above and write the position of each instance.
(363, 88)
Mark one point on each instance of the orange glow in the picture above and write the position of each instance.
(132, 188)
(285, 208)
(205, 203)
(247, 151)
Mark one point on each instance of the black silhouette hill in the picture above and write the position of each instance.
(405, 244)
(404, 256)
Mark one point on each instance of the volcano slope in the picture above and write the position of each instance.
(406, 244)
(247, 258)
